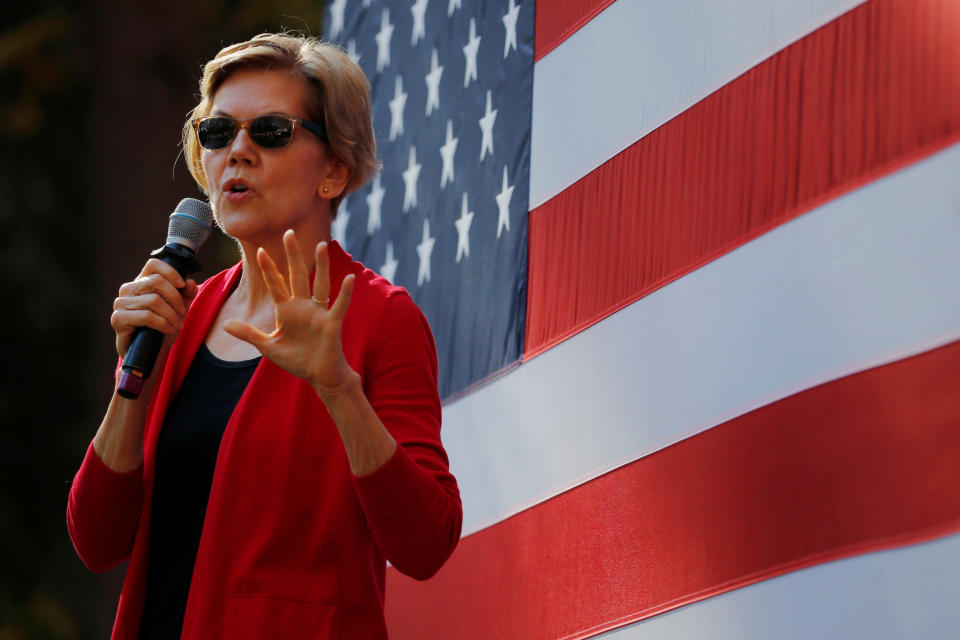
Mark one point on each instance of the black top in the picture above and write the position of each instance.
(186, 457)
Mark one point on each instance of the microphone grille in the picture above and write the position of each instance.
(190, 223)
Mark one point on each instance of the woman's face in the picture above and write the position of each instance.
(282, 185)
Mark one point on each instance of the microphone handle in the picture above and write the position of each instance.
(146, 342)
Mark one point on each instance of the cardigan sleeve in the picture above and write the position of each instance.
(411, 502)
(103, 510)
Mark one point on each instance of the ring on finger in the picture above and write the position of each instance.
(323, 303)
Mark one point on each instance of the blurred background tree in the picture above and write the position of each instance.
(92, 99)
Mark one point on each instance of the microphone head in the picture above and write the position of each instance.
(190, 223)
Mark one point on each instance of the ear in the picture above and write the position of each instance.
(336, 176)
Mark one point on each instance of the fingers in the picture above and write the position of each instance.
(156, 283)
(160, 267)
(151, 300)
(339, 308)
(247, 332)
(299, 284)
(272, 277)
(321, 276)
(151, 308)
(125, 321)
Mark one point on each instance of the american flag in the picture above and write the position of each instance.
(446, 216)
(729, 284)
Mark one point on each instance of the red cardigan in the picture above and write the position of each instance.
(293, 544)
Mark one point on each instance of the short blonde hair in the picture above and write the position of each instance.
(340, 98)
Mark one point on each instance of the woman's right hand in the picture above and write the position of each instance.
(158, 298)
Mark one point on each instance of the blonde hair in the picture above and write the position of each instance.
(339, 98)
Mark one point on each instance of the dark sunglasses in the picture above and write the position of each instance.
(270, 132)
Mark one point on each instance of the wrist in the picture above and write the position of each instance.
(334, 396)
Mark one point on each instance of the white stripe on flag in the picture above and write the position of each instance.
(637, 64)
(863, 280)
(908, 592)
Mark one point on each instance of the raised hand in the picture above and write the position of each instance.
(306, 342)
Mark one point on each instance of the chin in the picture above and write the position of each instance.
(237, 225)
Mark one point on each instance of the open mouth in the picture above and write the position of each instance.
(236, 187)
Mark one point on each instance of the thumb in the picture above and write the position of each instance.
(190, 289)
(247, 332)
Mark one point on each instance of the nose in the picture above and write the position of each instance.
(242, 149)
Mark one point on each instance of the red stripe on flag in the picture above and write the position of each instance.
(861, 463)
(871, 91)
(555, 21)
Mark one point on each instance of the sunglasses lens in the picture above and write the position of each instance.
(215, 133)
(271, 131)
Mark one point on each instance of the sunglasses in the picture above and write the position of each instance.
(270, 132)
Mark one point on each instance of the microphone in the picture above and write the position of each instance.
(189, 228)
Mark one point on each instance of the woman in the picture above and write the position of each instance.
(261, 497)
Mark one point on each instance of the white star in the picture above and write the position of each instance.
(503, 204)
(454, 4)
(338, 227)
(424, 249)
(383, 40)
(374, 200)
(396, 109)
(470, 51)
(419, 10)
(410, 181)
(463, 230)
(433, 84)
(446, 152)
(336, 17)
(510, 24)
(352, 50)
(389, 268)
(486, 126)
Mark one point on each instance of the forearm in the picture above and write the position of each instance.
(366, 441)
(119, 440)
(107, 493)
(410, 499)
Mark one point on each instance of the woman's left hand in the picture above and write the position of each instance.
(306, 341)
